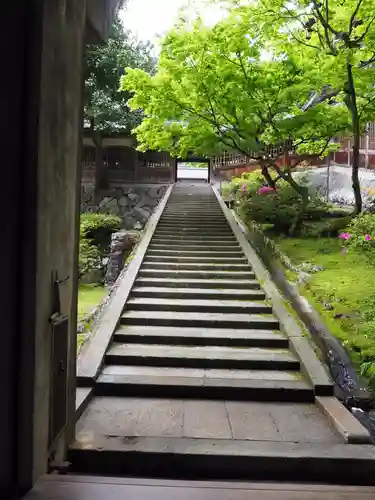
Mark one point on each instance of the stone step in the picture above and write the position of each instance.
(200, 221)
(227, 459)
(215, 357)
(195, 258)
(202, 211)
(193, 208)
(199, 283)
(164, 253)
(185, 219)
(192, 201)
(202, 247)
(197, 305)
(206, 224)
(192, 204)
(186, 200)
(217, 215)
(196, 233)
(199, 215)
(184, 273)
(183, 200)
(208, 320)
(147, 264)
(181, 219)
(198, 236)
(188, 243)
(204, 293)
(203, 242)
(194, 383)
(137, 334)
(194, 228)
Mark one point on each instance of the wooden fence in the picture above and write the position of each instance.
(123, 164)
(229, 165)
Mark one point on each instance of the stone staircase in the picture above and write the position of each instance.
(198, 380)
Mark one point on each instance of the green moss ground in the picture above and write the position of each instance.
(347, 284)
(89, 297)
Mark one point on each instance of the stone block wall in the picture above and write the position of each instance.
(134, 203)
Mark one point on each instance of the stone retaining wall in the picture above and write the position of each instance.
(134, 203)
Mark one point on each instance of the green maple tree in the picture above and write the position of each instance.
(334, 41)
(221, 88)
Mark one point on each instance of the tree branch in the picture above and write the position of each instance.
(361, 38)
(363, 64)
(366, 105)
(353, 16)
(326, 25)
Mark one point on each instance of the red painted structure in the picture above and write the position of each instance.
(231, 165)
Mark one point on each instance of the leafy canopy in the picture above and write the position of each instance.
(105, 106)
(224, 88)
(326, 38)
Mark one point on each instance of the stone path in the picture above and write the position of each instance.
(190, 418)
(199, 380)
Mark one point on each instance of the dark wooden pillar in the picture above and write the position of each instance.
(41, 99)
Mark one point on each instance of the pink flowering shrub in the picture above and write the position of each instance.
(279, 208)
(266, 190)
(344, 236)
(360, 235)
(244, 186)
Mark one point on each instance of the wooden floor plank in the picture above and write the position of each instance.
(101, 488)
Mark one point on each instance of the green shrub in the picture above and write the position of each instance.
(226, 189)
(249, 183)
(98, 228)
(95, 237)
(282, 208)
(326, 226)
(317, 208)
(360, 234)
(245, 185)
(254, 176)
(89, 257)
(279, 208)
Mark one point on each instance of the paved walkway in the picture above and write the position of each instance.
(201, 381)
(192, 173)
(188, 418)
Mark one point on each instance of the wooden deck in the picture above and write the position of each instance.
(104, 488)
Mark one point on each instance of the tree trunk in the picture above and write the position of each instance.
(351, 104)
(301, 190)
(267, 176)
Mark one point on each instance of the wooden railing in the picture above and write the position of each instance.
(123, 164)
(343, 156)
(230, 160)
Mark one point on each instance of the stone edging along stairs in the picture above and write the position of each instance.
(206, 374)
